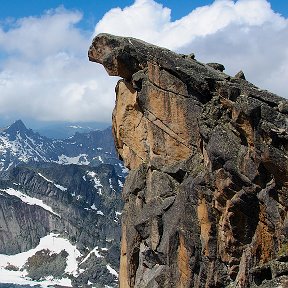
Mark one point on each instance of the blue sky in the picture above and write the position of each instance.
(94, 9)
(45, 74)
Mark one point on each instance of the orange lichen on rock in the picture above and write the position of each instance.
(206, 198)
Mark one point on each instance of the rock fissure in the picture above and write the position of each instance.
(157, 122)
(168, 91)
(206, 199)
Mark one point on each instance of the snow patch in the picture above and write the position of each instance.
(75, 127)
(96, 180)
(94, 251)
(111, 270)
(24, 149)
(120, 183)
(52, 242)
(78, 160)
(29, 200)
(124, 169)
(18, 277)
(93, 207)
(50, 181)
(60, 187)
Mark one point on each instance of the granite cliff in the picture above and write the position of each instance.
(206, 198)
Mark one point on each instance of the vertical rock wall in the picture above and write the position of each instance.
(206, 198)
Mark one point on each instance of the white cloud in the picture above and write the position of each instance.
(45, 73)
(145, 19)
(243, 34)
(36, 37)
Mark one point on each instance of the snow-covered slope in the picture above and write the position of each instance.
(19, 144)
(15, 268)
(20, 268)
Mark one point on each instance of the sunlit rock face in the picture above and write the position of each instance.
(207, 194)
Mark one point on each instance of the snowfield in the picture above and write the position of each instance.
(52, 242)
(28, 200)
(78, 160)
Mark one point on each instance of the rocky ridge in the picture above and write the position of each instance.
(206, 199)
(77, 204)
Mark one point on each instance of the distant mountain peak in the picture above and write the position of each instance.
(18, 125)
(19, 144)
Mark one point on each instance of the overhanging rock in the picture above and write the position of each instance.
(207, 193)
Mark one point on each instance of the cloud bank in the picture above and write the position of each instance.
(45, 73)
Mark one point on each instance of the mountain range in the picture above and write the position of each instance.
(19, 144)
(60, 207)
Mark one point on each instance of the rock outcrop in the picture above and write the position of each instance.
(206, 198)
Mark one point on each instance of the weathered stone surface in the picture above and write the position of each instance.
(240, 75)
(217, 66)
(207, 194)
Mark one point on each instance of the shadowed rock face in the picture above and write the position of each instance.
(206, 198)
